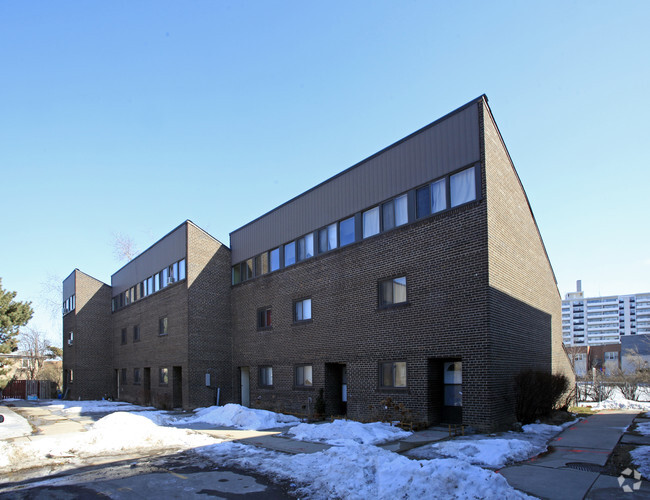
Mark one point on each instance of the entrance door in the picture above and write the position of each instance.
(452, 409)
(336, 389)
(245, 376)
(147, 386)
(177, 387)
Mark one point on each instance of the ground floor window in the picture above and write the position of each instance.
(304, 376)
(136, 375)
(393, 374)
(163, 376)
(266, 376)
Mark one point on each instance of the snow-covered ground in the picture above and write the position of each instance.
(351, 469)
(233, 415)
(13, 426)
(366, 471)
(347, 432)
(494, 451)
(89, 407)
(618, 402)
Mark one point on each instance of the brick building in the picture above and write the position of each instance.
(418, 275)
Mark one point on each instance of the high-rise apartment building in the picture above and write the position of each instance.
(603, 320)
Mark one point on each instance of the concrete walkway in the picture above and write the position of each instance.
(573, 466)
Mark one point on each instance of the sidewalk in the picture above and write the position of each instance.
(573, 466)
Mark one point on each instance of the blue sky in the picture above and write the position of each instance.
(130, 117)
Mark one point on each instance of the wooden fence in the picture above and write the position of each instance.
(24, 389)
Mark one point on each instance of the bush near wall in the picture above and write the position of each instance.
(537, 394)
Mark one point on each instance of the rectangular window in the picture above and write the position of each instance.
(438, 196)
(162, 326)
(71, 376)
(127, 297)
(304, 376)
(136, 333)
(327, 239)
(156, 280)
(392, 291)
(123, 376)
(165, 278)
(264, 317)
(70, 338)
(346, 229)
(274, 259)
(173, 272)
(123, 335)
(302, 310)
(395, 213)
(262, 264)
(463, 187)
(236, 274)
(136, 376)
(423, 202)
(393, 374)
(181, 269)
(306, 247)
(266, 376)
(150, 285)
(290, 254)
(247, 270)
(143, 289)
(371, 222)
(163, 376)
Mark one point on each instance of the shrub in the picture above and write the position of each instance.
(537, 393)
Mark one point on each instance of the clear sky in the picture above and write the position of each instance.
(130, 117)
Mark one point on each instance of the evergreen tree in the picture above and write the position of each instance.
(13, 315)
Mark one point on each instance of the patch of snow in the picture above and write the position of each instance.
(14, 425)
(116, 434)
(345, 432)
(641, 460)
(84, 407)
(234, 415)
(366, 471)
(643, 428)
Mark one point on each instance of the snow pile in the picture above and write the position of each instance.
(643, 428)
(365, 471)
(618, 402)
(344, 432)
(494, 452)
(14, 425)
(116, 434)
(641, 460)
(84, 407)
(234, 415)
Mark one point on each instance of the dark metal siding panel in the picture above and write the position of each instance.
(167, 251)
(69, 286)
(434, 152)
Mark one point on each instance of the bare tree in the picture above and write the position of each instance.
(124, 247)
(51, 295)
(37, 349)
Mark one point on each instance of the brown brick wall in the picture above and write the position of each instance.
(525, 305)
(90, 354)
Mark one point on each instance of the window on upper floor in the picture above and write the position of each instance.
(123, 336)
(370, 222)
(290, 254)
(265, 376)
(392, 291)
(462, 186)
(156, 282)
(264, 317)
(136, 333)
(395, 213)
(236, 274)
(274, 259)
(306, 247)
(431, 198)
(70, 338)
(346, 230)
(304, 376)
(393, 374)
(327, 239)
(262, 264)
(162, 326)
(181, 269)
(247, 270)
(302, 310)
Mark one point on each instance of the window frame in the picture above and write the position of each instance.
(303, 320)
(265, 312)
(261, 378)
(163, 381)
(123, 336)
(137, 379)
(163, 320)
(295, 376)
(394, 364)
(136, 333)
(351, 220)
(381, 302)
